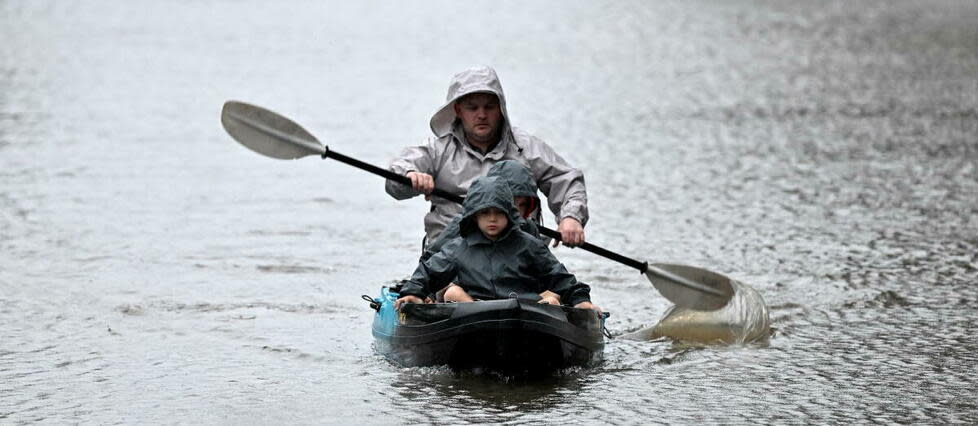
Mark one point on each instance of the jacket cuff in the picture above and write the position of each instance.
(412, 289)
(400, 168)
(578, 293)
(572, 214)
(398, 190)
(578, 298)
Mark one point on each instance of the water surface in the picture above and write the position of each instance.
(152, 270)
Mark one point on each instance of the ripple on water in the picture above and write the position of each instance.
(294, 269)
(178, 307)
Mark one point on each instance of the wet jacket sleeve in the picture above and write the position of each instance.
(420, 159)
(553, 276)
(563, 184)
(451, 232)
(529, 227)
(431, 275)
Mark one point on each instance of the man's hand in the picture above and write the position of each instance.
(406, 299)
(421, 182)
(571, 232)
(588, 305)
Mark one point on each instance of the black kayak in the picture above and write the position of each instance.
(509, 335)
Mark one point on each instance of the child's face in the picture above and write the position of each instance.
(491, 221)
(524, 205)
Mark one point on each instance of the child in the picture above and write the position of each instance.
(524, 190)
(492, 259)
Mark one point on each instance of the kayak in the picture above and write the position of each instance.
(509, 335)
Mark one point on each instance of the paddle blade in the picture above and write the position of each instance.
(267, 132)
(691, 287)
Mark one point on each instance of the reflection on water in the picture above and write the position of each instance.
(468, 388)
(152, 270)
(478, 396)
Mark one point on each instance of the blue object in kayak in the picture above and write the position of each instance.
(511, 335)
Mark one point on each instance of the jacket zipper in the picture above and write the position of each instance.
(492, 269)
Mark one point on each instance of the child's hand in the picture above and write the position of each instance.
(406, 299)
(588, 305)
(549, 298)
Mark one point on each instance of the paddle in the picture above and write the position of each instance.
(273, 135)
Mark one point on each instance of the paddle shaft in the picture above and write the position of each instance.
(641, 266)
(386, 173)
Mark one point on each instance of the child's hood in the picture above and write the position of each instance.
(485, 192)
(520, 181)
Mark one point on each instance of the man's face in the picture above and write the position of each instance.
(481, 117)
(491, 221)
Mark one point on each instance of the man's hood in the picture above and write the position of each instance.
(473, 80)
(485, 192)
(520, 181)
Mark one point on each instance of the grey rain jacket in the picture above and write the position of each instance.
(520, 183)
(454, 163)
(516, 262)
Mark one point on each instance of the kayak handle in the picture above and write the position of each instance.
(374, 304)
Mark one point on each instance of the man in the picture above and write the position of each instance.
(473, 132)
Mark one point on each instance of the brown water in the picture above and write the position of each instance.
(154, 271)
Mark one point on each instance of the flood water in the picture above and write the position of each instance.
(152, 270)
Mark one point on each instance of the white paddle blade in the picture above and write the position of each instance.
(267, 132)
(691, 287)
